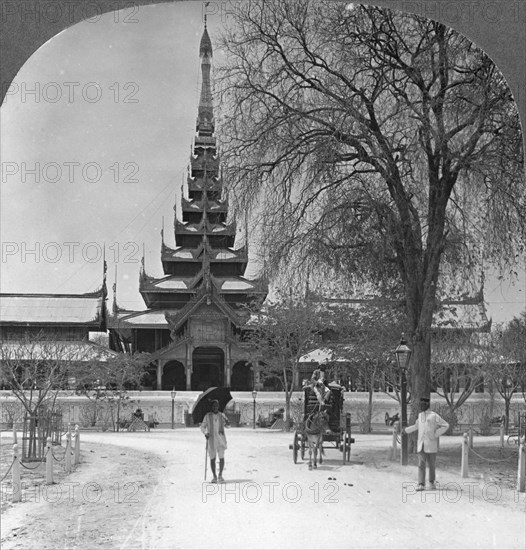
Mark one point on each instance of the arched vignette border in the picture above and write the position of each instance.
(496, 26)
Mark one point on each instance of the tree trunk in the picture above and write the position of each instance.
(507, 401)
(368, 426)
(420, 379)
(287, 411)
(118, 414)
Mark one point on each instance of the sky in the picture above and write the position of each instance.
(95, 144)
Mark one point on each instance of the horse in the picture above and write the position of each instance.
(316, 425)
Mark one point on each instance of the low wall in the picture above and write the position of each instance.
(158, 406)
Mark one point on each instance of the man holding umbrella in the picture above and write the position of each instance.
(213, 426)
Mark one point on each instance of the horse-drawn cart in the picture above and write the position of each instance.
(336, 431)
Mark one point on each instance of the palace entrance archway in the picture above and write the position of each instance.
(173, 376)
(208, 368)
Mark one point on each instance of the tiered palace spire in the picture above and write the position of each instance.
(204, 269)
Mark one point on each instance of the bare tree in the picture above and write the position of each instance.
(381, 144)
(107, 383)
(371, 331)
(284, 332)
(35, 368)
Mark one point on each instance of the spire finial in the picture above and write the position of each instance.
(205, 116)
(115, 307)
(104, 271)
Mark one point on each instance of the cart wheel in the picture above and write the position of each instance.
(295, 447)
(303, 447)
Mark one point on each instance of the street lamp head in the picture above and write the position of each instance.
(173, 393)
(403, 353)
(254, 394)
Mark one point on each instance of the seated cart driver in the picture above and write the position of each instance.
(319, 385)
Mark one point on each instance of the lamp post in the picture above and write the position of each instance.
(403, 353)
(254, 395)
(173, 394)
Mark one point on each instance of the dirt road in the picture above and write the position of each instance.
(146, 490)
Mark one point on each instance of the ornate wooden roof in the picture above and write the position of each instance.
(53, 309)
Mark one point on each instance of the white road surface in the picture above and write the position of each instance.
(266, 502)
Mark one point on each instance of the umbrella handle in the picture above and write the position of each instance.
(206, 452)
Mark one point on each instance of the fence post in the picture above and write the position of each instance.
(471, 437)
(49, 463)
(77, 444)
(521, 474)
(17, 488)
(465, 454)
(394, 451)
(502, 433)
(68, 451)
(14, 433)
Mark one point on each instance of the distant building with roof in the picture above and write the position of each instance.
(194, 316)
(461, 320)
(52, 326)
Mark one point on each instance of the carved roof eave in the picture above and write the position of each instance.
(149, 286)
(213, 183)
(118, 309)
(240, 255)
(191, 284)
(204, 227)
(167, 252)
(220, 205)
(261, 285)
(176, 320)
(145, 280)
(259, 288)
(166, 249)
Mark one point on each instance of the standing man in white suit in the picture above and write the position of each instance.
(430, 427)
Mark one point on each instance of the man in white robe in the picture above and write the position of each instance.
(213, 426)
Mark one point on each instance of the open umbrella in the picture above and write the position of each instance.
(203, 403)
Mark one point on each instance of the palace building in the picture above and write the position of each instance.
(194, 320)
(52, 327)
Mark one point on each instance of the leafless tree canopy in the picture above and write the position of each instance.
(381, 144)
